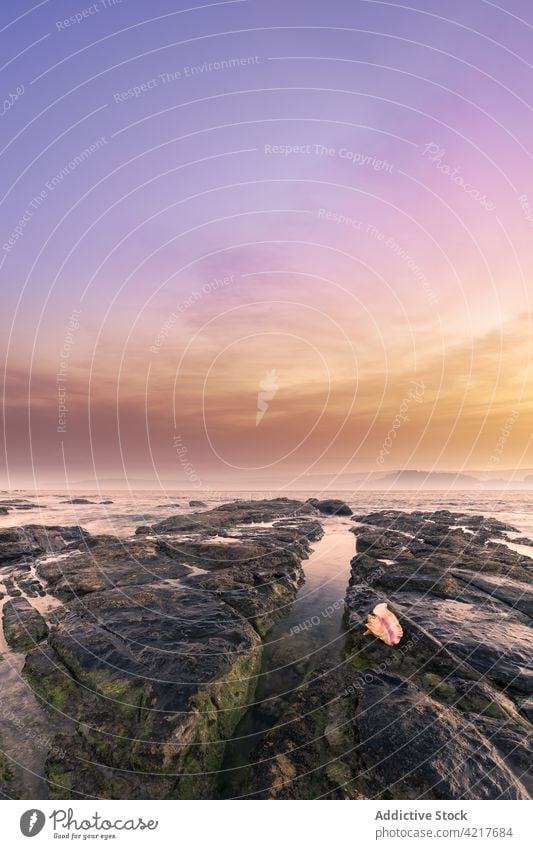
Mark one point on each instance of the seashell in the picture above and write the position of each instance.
(382, 623)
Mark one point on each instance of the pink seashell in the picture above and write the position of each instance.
(382, 623)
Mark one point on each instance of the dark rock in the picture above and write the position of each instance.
(7, 775)
(515, 746)
(496, 644)
(35, 540)
(228, 515)
(159, 659)
(263, 578)
(17, 504)
(451, 585)
(14, 544)
(526, 706)
(331, 507)
(417, 520)
(23, 625)
(517, 594)
(78, 501)
(465, 606)
(108, 562)
(436, 754)
(158, 677)
(368, 733)
(446, 713)
(197, 504)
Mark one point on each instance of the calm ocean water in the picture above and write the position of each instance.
(140, 507)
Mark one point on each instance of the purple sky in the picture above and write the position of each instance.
(334, 200)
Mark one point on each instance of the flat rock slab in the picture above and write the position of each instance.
(228, 515)
(24, 626)
(416, 748)
(35, 540)
(170, 640)
(517, 594)
(489, 636)
(155, 678)
(158, 649)
(107, 562)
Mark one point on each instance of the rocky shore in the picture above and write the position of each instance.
(145, 653)
(446, 714)
(153, 657)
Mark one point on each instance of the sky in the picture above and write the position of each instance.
(261, 241)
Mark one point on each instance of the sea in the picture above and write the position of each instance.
(131, 508)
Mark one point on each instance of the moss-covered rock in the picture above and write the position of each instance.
(24, 626)
(154, 683)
